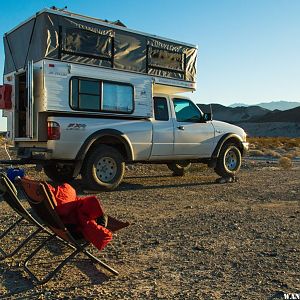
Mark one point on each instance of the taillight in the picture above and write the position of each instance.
(53, 130)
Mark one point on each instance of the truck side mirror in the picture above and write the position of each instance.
(206, 117)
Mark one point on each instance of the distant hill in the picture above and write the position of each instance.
(234, 115)
(280, 105)
(251, 114)
(234, 105)
(274, 129)
(290, 115)
(275, 123)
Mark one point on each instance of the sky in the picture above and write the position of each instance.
(249, 50)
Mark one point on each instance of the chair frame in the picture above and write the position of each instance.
(10, 196)
(61, 232)
(9, 193)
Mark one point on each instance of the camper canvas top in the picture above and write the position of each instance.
(64, 36)
(111, 24)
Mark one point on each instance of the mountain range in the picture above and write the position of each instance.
(280, 105)
(251, 114)
(258, 121)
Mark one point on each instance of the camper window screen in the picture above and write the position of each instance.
(165, 59)
(117, 97)
(87, 43)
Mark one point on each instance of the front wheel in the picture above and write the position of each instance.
(179, 168)
(103, 168)
(229, 161)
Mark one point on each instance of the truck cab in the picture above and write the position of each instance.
(190, 135)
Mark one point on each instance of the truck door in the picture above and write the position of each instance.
(23, 113)
(194, 138)
(163, 136)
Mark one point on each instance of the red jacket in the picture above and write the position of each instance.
(83, 212)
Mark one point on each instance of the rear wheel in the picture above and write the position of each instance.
(103, 168)
(58, 172)
(179, 168)
(229, 160)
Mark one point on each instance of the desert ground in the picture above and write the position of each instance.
(189, 238)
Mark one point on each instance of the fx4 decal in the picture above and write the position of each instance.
(76, 126)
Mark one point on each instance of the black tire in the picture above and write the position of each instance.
(103, 169)
(179, 168)
(229, 160)
(58, 172)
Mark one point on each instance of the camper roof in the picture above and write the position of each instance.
(97, 21)
(65, 36)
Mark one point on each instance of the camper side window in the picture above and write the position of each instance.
(85, 94)
(97, 95)
(117, 97)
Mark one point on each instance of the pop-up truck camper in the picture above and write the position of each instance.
(86, 96)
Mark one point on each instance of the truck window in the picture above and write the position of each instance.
(161, 109)
(97, 95)
(186, 111)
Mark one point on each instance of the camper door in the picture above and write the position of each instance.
(24, 104)
(29, 111)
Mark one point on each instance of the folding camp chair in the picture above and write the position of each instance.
(9, 193)
(42, 202)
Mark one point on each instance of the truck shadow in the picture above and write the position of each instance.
(134, 186)
(126, 186)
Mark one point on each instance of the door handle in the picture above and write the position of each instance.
(180, 127)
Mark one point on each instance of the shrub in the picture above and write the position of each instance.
(275, 146)
(255, 153)
(290, 143)
(271, 153)
(274, 142)
(289, 155)
(285, 163)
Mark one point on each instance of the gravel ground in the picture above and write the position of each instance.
(190, 238)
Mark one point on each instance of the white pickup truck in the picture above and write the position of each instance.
(86, 96)
(178, 134)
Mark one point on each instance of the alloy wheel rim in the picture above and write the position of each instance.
(106, 169)
(231, 160)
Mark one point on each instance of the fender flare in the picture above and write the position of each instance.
(97, 136)
(223, 140)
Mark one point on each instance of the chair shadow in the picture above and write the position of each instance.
(9, 279)
(14, 274)
(91, 271)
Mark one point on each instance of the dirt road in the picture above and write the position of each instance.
(190, 238)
